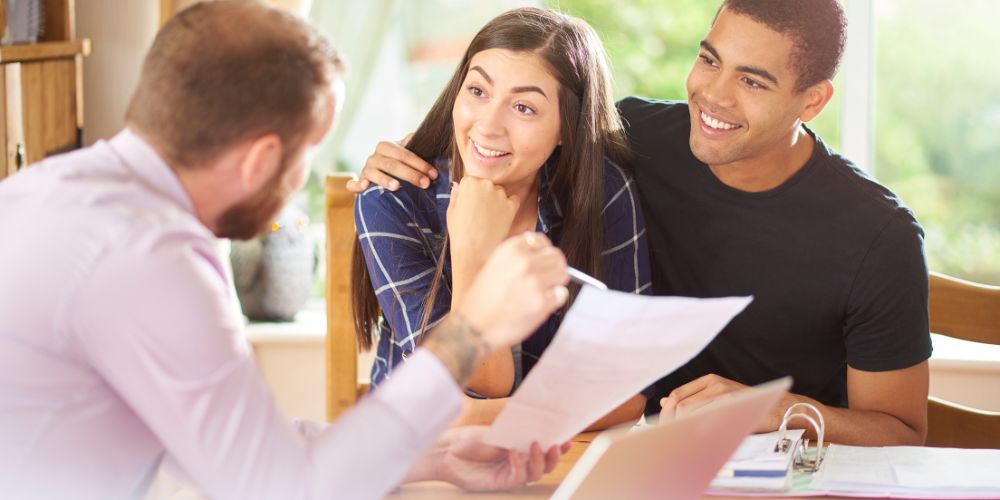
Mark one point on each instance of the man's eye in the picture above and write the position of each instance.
(754, 84)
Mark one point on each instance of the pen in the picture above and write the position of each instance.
(751, 473)
(578, 276)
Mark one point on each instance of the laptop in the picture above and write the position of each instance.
(676, 459)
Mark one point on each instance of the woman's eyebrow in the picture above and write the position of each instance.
(515, 90)
(528, 88)
(482, 72)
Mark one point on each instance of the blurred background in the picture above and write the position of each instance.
(917, 100)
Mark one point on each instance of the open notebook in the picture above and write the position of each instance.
(675, 459)
(914, 472)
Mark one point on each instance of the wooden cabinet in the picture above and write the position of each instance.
(41, 92)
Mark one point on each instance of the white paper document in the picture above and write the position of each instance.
(610, 346)
(756, 466)
(910, 472)
(756, 452)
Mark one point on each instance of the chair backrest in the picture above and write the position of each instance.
(342, 387)
(967, 311)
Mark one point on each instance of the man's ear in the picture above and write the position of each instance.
(261, 161)
(817, 97)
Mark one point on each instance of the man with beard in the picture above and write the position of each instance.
(119, 349)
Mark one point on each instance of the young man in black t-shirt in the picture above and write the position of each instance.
(740, 198)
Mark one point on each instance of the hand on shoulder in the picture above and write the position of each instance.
(391, 161)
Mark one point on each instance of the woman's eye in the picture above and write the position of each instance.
(524, 109)
(476, 91)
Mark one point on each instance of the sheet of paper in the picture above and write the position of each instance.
(855, 464)
(910, 472)
(611, 345)
(946, 467)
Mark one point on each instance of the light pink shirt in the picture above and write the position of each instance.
(119, 348)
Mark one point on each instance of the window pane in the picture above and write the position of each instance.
(651, 43)
(937, 126)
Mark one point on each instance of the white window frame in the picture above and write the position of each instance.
(857, 124)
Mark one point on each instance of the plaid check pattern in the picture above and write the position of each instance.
(402, 233)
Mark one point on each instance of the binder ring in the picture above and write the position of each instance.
(809, 464)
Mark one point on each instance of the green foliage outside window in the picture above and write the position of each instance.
(937, 126)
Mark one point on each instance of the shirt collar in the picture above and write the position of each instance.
(150, 168)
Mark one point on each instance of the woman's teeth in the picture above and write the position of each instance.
(489, 153)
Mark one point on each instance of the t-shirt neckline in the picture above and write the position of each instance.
(819, 149)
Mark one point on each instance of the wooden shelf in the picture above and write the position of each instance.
(43, 50)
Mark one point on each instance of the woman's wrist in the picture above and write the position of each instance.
(464, 271)
(479, 411)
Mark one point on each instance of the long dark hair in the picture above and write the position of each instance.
(590, 130)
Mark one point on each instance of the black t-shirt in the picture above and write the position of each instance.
(833, 260)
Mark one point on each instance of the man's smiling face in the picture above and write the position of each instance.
(742, 92)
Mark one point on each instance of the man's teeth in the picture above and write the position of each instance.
(716, 124)
(489, 153)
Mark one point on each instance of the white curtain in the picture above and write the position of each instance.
(400, 56)
(359, 30)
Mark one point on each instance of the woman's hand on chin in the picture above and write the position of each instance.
(480, 215)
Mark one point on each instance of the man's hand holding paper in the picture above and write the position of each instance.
(610, 346)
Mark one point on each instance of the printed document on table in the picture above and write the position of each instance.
(610, 346)
(909, 472)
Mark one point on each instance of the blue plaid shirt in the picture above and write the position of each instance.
(402, 234)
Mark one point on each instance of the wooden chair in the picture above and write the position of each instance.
(967, 311)
(342, 386)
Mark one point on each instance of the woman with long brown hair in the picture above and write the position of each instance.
(527, 138)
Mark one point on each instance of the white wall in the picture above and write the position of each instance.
(120, 32)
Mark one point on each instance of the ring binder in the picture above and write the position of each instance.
(853, 471)
(803, 462)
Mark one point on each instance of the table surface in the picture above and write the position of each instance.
(541, 489)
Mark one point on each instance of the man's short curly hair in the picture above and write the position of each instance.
(818, 29)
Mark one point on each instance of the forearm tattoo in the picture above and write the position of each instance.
(459, 346)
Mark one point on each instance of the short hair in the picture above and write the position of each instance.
(223, 72)
(818, 29)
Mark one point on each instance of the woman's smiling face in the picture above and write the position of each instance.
(506, 116)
